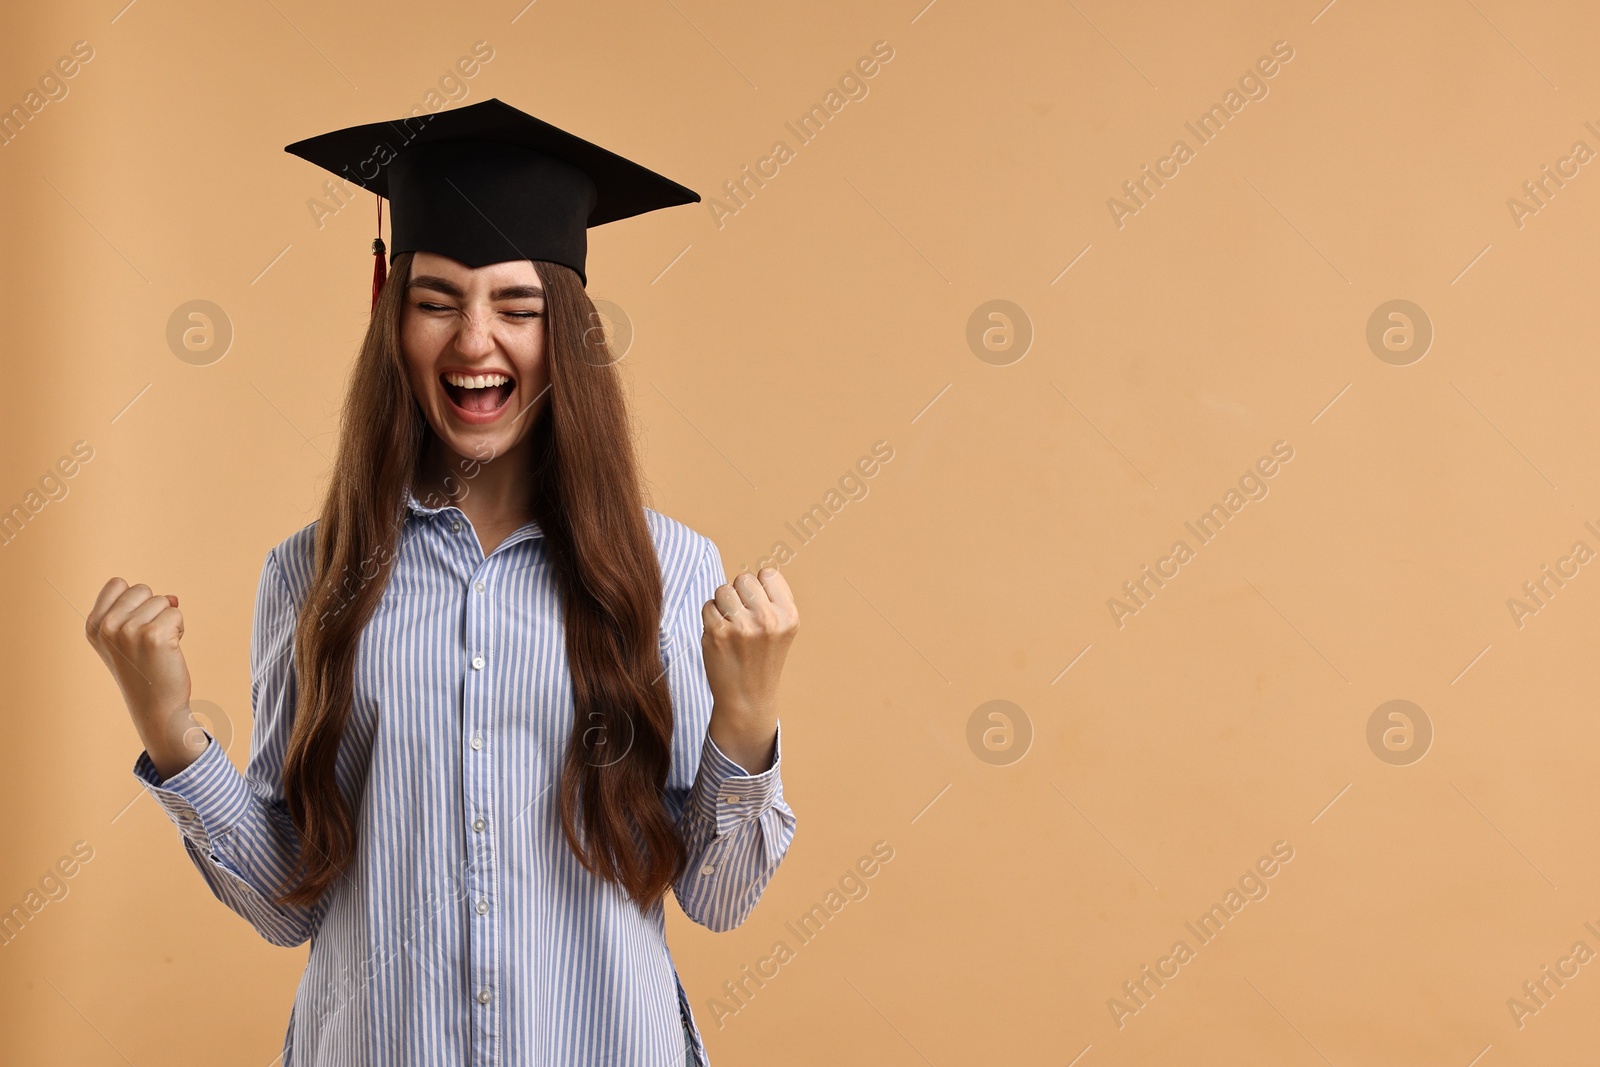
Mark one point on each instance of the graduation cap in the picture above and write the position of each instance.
(486, 183)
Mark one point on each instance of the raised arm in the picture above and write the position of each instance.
(235, 827)
(735, 823)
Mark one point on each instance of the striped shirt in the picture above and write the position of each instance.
(465, 931)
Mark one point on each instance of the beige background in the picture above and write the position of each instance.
(832, 312)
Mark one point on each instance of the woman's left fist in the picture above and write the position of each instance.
(749, 623)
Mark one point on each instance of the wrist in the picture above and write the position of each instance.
(169, 760)
(172, 740)
(751, 746)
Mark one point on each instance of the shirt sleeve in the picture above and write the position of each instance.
(235, 827)
(735, 824)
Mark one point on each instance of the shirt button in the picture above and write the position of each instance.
(477, 742)
(478, 825)
(478, 586)
(707, 869)
(483, 907)
(455, 527)
(730, 799)
(483, 996)
(477, 663)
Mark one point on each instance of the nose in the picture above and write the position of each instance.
(474, 337)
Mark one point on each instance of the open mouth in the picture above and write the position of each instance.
(478, 394)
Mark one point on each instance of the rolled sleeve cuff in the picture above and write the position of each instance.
(206, 799)
(726, 795)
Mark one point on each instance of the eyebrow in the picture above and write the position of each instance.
(449, 288)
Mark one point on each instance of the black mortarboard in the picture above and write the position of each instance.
(487, 182)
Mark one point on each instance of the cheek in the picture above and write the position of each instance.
(419, 349)
(528, 352)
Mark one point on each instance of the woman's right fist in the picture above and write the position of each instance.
(136, 633)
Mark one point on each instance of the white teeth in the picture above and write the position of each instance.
(476, 381)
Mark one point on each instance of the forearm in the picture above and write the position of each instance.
(736, 828)
(244, 846)
(748, 736)
(285, 925)
(172, 741)
(728, 872)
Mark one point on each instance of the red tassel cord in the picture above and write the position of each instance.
(380, 270)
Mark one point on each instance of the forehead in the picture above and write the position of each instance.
(490, 275)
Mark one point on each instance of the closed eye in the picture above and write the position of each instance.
(429, 306)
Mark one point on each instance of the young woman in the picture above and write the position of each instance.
(500, 705)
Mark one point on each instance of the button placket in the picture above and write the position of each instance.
(477, 703)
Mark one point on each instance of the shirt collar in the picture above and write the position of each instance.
(416, 507)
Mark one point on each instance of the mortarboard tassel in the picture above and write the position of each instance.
(379, 267)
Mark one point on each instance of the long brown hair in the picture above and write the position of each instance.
(588, 504)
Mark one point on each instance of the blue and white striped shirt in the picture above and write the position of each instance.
(465, 931)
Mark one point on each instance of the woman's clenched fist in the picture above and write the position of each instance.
(136, 633)
(749, 625)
